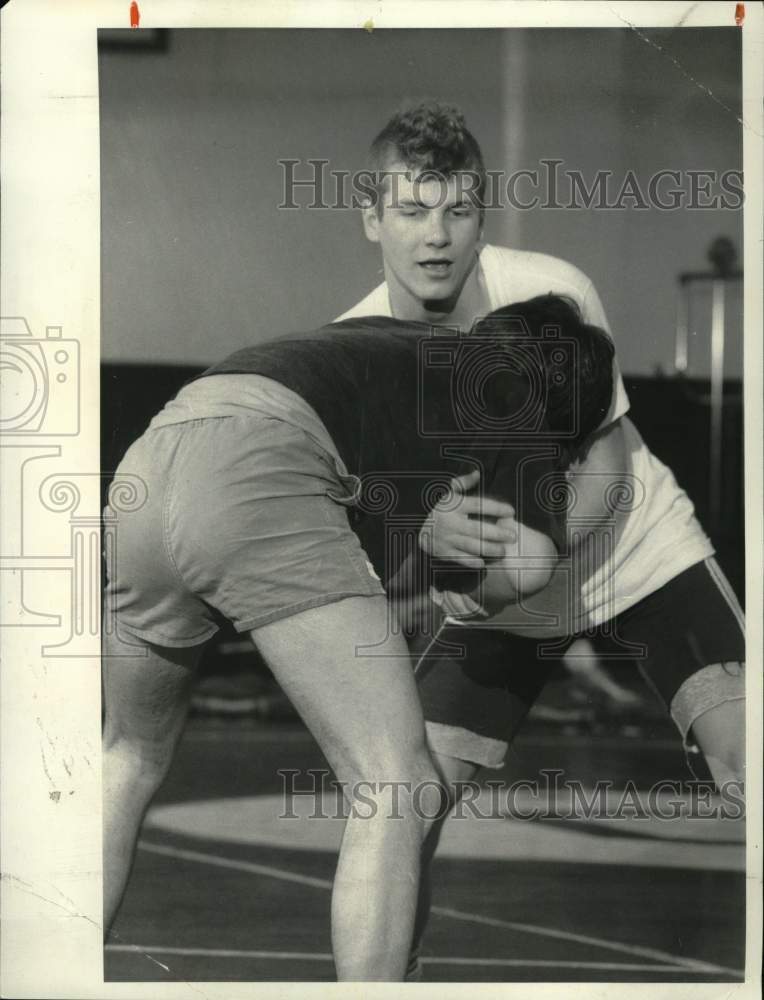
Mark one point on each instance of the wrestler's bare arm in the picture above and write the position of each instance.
(528, 559)
(594, 484)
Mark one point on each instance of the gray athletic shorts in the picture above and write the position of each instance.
(244, 519)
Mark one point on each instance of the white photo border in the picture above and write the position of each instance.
(50, 827)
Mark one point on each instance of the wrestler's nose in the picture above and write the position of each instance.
(437, 232)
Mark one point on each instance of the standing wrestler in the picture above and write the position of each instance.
(649, 570)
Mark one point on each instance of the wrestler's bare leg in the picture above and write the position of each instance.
(146, 692)
(365, 714)
(454, 773)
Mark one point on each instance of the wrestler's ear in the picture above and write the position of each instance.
(370, 219)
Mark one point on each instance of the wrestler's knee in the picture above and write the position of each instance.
(720, 734)
(138, 753)
(709, 709)
(146, 690)
(401, 786)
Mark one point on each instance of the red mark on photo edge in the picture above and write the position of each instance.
(135, 15)
(739, 13)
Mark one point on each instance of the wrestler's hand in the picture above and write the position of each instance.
(464, 529)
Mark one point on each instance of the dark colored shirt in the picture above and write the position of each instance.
(408, 407)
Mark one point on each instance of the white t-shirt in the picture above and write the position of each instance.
(658, 535)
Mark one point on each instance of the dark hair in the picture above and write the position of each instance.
(578, 382)
(430, 137)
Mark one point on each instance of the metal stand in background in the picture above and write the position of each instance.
(722, 256)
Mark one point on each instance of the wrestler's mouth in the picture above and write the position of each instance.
(437, 266)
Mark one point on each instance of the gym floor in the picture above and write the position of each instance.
(224, 890)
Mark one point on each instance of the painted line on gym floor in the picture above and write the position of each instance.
(307, 956)
(260, 736)
(233, 863)
(688, 964)
(315, 822)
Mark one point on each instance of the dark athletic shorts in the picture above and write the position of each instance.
(687, 640)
